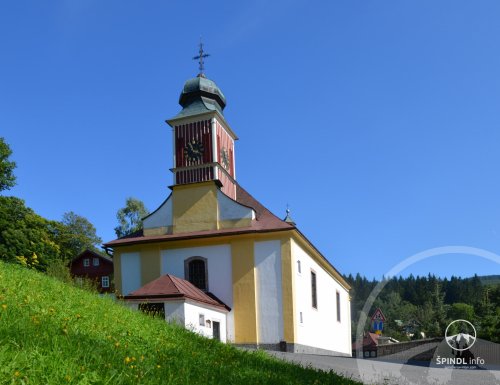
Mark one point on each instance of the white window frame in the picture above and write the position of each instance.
(105, 278)
(95, 261)
(86, 262)
(201, 317)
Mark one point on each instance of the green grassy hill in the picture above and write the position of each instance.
(52, 333)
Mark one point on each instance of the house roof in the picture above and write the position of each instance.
(91, 254)
(370, 340)
(265, 222)
(169, 287)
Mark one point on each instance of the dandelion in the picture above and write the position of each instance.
(4, 306)
(127, 360)
(117, 344)
(17, 374)
(158, 366)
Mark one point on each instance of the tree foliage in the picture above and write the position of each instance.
(75, 234)
(130, 217)
(7, 177)
(415, 305)
(23, 233)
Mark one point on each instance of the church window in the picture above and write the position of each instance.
(195, 270)
(202, 319)
(314, 290)
(209, 324)
(299, 270)
(338, 306)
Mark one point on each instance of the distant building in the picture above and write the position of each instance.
(282, 292)
(93, 266)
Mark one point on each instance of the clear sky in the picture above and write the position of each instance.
(378, 122)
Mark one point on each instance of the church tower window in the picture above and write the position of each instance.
(195, 270)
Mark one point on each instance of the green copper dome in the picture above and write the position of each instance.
(201, 95)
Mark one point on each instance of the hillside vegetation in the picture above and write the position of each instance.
(52, 333)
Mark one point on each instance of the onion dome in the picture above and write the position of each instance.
(200, 95)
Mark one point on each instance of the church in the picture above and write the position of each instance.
(214, 258)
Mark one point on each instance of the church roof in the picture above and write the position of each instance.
(169, 287)
(200, 95)
(265, 222)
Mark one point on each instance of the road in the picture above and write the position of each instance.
(392, 373)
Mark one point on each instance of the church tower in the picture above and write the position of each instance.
(203, 141)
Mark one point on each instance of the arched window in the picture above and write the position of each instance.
(195, 271)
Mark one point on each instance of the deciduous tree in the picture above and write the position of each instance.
(130, 217)
(7, 177)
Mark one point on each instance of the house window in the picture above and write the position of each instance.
(105, 281)
(95, 261)
(301, 318)
(314, 294)
(195, 270)
(86, 262)
(202, 319)
(338, 306)
(208, 324)
(299, 270)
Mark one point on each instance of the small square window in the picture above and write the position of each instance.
(105, 281)
(202, 319)
(86, 262)
(95, 262)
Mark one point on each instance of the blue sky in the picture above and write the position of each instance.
(378, 122)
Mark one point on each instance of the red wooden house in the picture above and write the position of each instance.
(95, 267)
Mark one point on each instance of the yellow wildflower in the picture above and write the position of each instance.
(4, 306)
(127, 360)
(17, 374)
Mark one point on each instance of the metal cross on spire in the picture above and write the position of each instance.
(201, 55)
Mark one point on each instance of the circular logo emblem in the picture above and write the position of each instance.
(460, 335)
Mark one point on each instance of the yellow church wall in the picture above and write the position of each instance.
(244, 306)
(288, 290)
(230, 224)
(150, 264)
(117, 274)
(194, 207)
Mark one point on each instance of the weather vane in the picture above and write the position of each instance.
(201, 55)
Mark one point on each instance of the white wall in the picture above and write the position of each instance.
(320, 327)
(229, 209)
(220, 279)
(131, 272)
(162, 217)
(192, 313)
(269, 298)
(174, 312)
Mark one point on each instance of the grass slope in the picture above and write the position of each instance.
(52, 333)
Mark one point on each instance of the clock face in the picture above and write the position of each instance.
(193, 150)
(224, 158)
